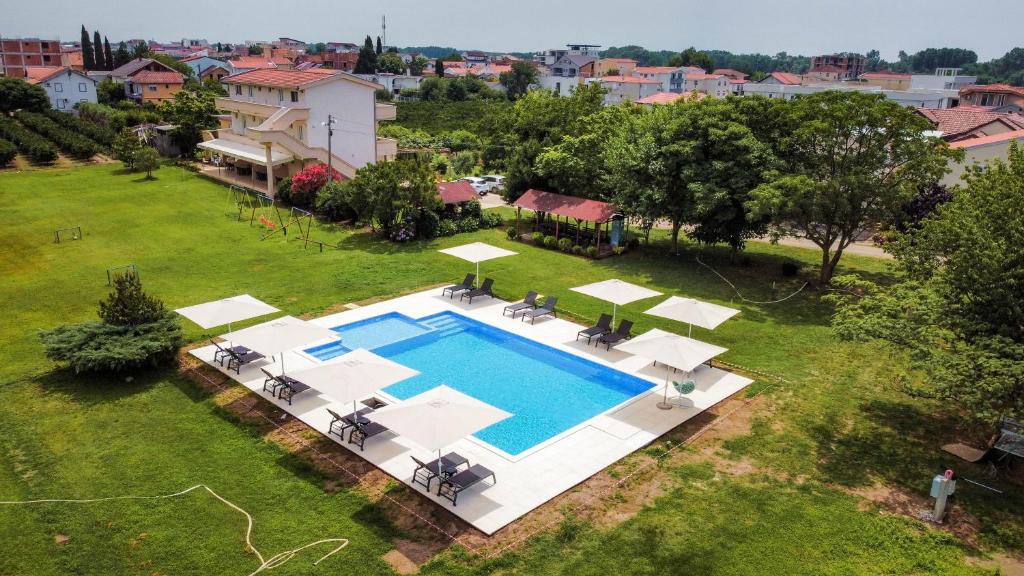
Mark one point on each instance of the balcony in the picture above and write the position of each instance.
(243, 107)
(386, 111)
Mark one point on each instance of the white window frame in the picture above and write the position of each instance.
(58, 87)
(82, 87)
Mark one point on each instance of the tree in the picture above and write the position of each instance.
(213, 86)
(957, 308)
(456, 90)
(17, 94)
(366, 63)
(255, 50)
(439, 68)
(88, 55)
(126, 145)
(135, 330)
(392, 195)
(109, 92)
(97, 47)
(453, 57)
(518, 80)
(147, 159)
(108, 57)
(174, 64)
(417, 65)
(693, 57)
(191, 112)
(121, 56)
(390, 63)
(380, 48)
(855, 158)
(141, 50)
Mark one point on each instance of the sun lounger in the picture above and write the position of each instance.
(289, 388)
(547, 308)
(621, 333)
(467, 284)
(483, 290)
(602, 327)
(528, 303)
(236, 360)
(221, 353)
(425, 472)
(451, 487)
(341, 423)
(271, 383)
(361, 431)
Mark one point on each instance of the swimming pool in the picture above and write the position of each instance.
(546, 390)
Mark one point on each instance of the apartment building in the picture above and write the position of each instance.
(18, 54)
(549, 57)
(837, 66)
(278, 123)
(615, 67)
(671, 78)
(717, 85)
(620, 89)
(997, 97)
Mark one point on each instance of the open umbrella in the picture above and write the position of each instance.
(226, 311)
(439, 417)
(477, 252)
(616, 291)
(353, 375)
(279, 336)
(672, 350)
(703, 314)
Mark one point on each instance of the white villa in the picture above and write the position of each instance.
(276, 122)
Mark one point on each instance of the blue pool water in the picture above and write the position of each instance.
(546, 390)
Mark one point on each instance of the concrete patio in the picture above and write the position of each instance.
(528, 480)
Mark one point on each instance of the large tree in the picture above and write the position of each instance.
(97, 48)
(380, 47)
(853, 160)
(366, 63)
(390, 194)
(958, 307)
(108, 56)
(417, 65)
(192, 112)
(439, 68)
(88, 55)
(518, 80)
(17, 94)
(390, 63)
(693, 57)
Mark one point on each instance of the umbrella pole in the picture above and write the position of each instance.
(477, 278)
(664, 404)
(614, 308)
(439, 471)
(689, 334)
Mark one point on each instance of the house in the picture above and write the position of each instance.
(574, 65)
(199, 62)
(887, 80)
(783, 78)
(342, 60)
(716, 85)
(843, 66)
(980, 151)
(912, 98)
(824, 73)
(942, 79)
(560, 85)
(71, 57)
(998, 97)
(216, 71)
(473, 57)
(279, 123)
(247, 63)
(731, 74)
(64, 86)
(615, 67)
(736, 87)
(671, 78)
(549, 57)
(626, 88)
(153, 86)
(665, 98)
(123, 72)
(393, 83)
(17, 54)
(971, 122)
(342, 47)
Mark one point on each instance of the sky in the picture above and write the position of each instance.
(805, 27)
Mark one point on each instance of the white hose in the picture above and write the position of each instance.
(269, 564)
(736, 290)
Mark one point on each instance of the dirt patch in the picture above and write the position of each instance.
(1005, 564)
(958, 522)
(61, 539)
(401, 563)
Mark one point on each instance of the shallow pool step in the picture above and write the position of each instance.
(441, 323)
(448, 332)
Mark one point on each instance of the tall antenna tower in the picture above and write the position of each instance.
(384, 29)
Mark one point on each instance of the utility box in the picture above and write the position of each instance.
(943, 486)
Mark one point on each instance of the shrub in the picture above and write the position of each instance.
(467, 224)
(306, 184)
(69, 141)
(565, 244)
(577, 249)
(135, 330)
(38, 149)
(550, 242)
(147, 159)
(510, 232)
(447, 228)
(428, 224)
(332, 202)
(7, 152)
(463, 162)
(791, 268)
(592, 251)
(538, 238)
(618, 250)
(96, 132)
(491, 220)
(471, 209)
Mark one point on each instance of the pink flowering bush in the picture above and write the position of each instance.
(307, 182)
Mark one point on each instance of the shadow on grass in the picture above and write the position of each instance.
(92, 389)
(365, 241)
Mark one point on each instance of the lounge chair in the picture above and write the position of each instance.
(483, 290)
(603, 326)
(363, 430)
(547, 308)
(341, 423)
(221, 353)
(274, 382)
(451, 487)
(528, 303)
(425, 472)
(236, 360)
(467, 284)
(621, 333)
(290, 387)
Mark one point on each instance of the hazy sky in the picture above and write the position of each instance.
(795, 26)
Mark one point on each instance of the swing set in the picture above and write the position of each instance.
(261, 210)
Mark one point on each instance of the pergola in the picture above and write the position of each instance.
(255, 154)
(581, 210)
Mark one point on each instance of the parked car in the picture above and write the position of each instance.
(495, 183)
(478, 184)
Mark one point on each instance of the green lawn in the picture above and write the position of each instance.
(836, 424)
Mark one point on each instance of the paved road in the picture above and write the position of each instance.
(858, 248)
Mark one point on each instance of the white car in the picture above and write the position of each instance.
(478, 184)
(494, 182)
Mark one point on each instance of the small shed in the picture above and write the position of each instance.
(581, 211)
(456, 192)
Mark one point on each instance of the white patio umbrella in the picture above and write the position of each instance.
(279, 336)
(477, 252)
(439, 417)
(226, 310)
(616, 291)
(703, 314)
(353, 375)
(672, 350)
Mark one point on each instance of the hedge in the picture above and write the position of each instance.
(35, 147)
(69, 141)
(7, 152)
(97, 132)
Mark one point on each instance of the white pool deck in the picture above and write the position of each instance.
(537, 475)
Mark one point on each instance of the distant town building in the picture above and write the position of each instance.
(549, 57)
(615, 67)
(671, 78)
(887, 80)
(997, 97)
(844, 66)
(18, 54)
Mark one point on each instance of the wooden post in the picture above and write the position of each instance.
(598, 225)
(518, 233)
(558, 220)
(578, 231)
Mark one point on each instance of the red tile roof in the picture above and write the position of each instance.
(280, 78)
(570, 206)
(670, 97)
(456, 192)
(703, 76)
(259, 62)
(992, 88)
(655, 69)
(621, 60)
(730, 73)
(786, 78)
(151, 77)
(960, 121)
(628, 80)
(984, 140)
(36, 74)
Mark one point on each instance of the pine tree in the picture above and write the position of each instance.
(380, 47)
(88, 56)
(97, 47)
(108, 57)
(367, 61)
(439, 68)
(122, 56)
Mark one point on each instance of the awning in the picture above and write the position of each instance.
(249, 152)
(570, 206)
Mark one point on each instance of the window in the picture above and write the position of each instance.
(250, 91)
(58, 87)
(295, 96)
(46, 58)
(46, 44)
(83, 100)
(238, 90)
(82, 87)
(60, 103)
(280, 94)
(152, 87)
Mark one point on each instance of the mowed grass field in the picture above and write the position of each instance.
(833, 427)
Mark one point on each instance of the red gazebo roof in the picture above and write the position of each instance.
(456, 192)
(570, 206)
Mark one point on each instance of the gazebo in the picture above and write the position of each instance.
(581, 210)
(456, 192)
